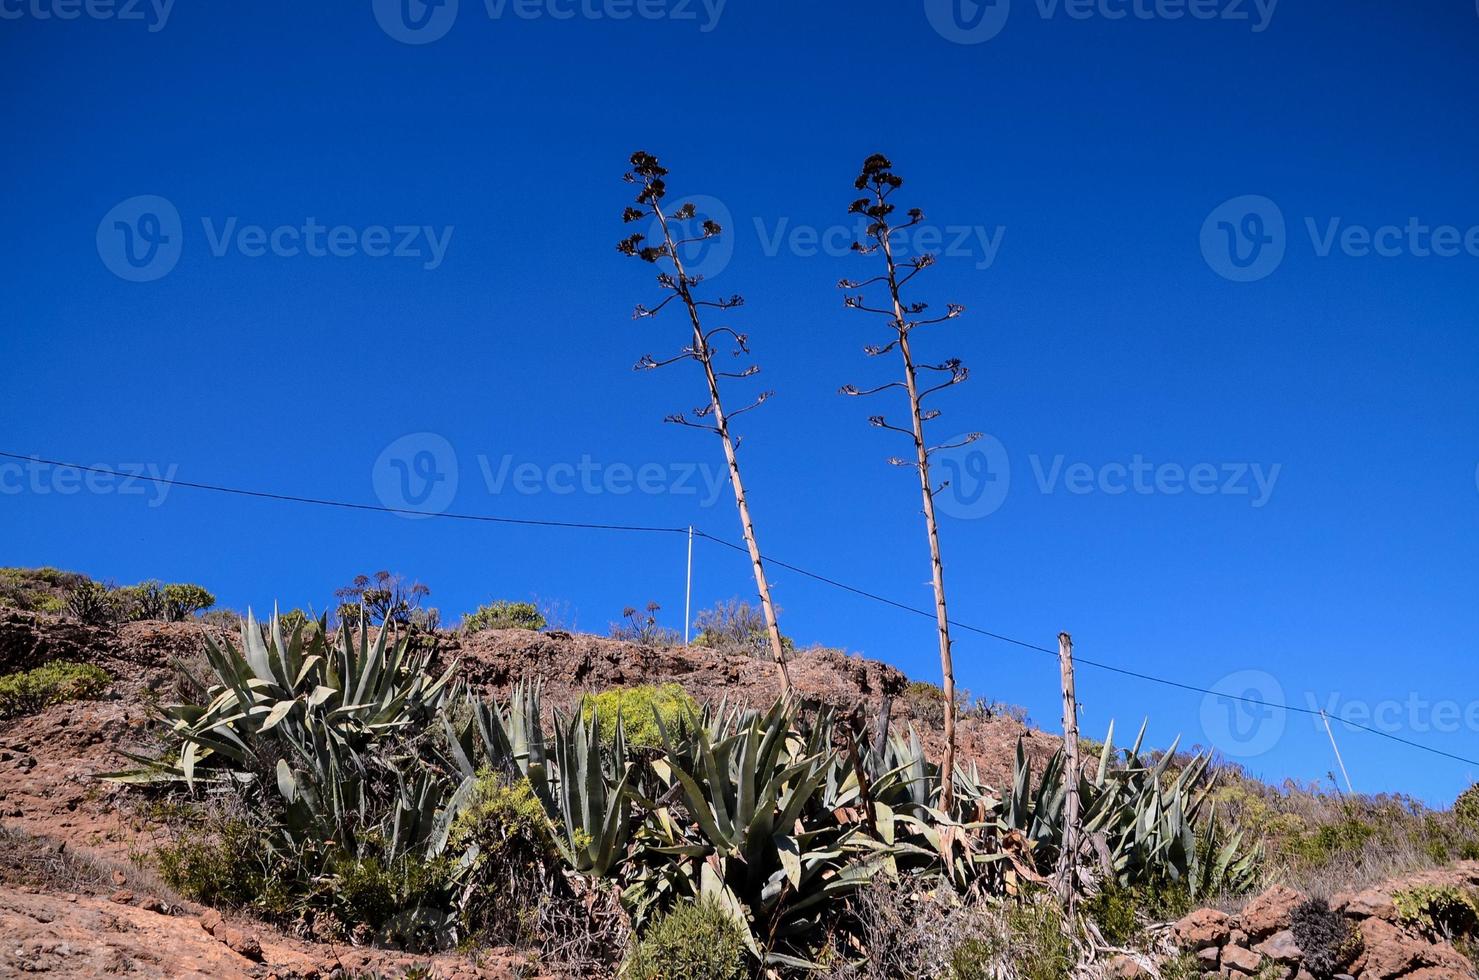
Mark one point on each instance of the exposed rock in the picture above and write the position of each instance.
(1125, 968)
(1270, 912)
(1390, 952)
(1371, 903)
(1202, 928)
(1282, 947)
(1238, 958)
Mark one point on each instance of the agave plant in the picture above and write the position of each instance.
(325, 724)
(1151, 823)
(582, 781)
(759, 816)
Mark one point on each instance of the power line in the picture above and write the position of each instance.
(1077, 659)
(834, 583)
(344, 504)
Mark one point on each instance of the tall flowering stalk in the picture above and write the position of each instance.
(919, 382)
(680, 284)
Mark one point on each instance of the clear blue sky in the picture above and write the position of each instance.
(1074, 161)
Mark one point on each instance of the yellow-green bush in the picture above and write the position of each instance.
(511, 876)
(695, 941)
(639, 708)
(1439, 910)
(53, 683)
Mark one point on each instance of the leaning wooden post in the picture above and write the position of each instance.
(1067, 860)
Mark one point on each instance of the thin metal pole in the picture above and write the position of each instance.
(688, 593)
(1339, 761)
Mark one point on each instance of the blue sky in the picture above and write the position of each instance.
(1220, 271)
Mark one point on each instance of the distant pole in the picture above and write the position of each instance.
(1338, 760)
(688, 593)
(1068, 858)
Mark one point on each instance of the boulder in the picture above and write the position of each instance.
(1282, 947)
(1241, 960)
(1373, 903)
(1202, 928)
(1270, 912)
(1390, 952)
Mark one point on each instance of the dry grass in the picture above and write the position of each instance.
(1322, 842)
(906, 931)
(43, 863)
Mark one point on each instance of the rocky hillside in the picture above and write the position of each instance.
(1364, 935)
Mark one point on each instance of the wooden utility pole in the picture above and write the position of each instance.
(1068, 859)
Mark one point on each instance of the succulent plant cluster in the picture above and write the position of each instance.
(362, 752)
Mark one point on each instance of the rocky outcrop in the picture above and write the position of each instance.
(1263, 939)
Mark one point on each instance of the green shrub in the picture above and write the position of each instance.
(183, 600)
(735, 626)
(1114, 910)
(1120, 912)
(1036, 942)
(30, 691)
(511, 873)
(503, 615)
(233, 862)
(695, 941)
(226, 863)
(230, 620)
(92, 603)
(37, 589)
(144, 601)
(639, 708)
(397, 900)
(1466, 809)
(926, 702)
(1439, 910)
